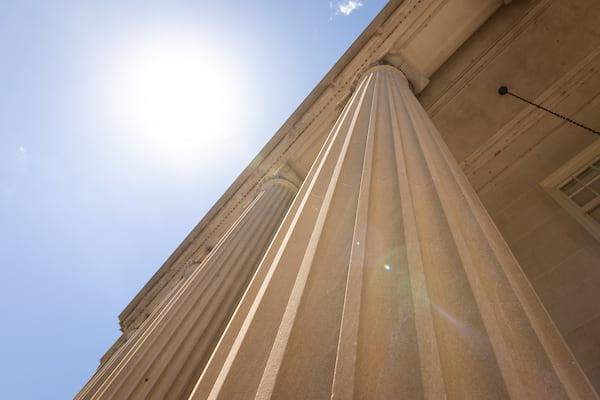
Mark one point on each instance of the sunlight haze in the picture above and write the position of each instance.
(121, 124)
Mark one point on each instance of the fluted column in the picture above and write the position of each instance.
(166, 355)
(388, 280)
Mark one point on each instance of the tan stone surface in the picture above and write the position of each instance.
(570, 289)
(547, 50)
(594, 376)
(387, 279)
(535, 48)
(585, 342)
(417, 33)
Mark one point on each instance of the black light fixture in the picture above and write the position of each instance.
(503, 90)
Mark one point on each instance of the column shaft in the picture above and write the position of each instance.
(166, 355)
(387, 279)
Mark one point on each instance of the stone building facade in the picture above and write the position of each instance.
(407, 233)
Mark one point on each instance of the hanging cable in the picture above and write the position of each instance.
(503, 90)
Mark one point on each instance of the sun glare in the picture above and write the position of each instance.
(178, 100)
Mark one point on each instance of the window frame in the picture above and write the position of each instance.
(553, 183)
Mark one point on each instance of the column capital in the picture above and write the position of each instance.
(393, 69)
(414, 79)
(285, 176)
(165, 357)
(385, 67)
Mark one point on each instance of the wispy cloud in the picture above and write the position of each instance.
(345, 7)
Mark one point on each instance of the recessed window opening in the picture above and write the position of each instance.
(576, 187)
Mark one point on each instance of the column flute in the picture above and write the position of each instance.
(166, 355)
(388, 280)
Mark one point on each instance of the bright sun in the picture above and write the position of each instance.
(178, 100)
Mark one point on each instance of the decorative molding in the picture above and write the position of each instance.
(486, 57)
(507, 138)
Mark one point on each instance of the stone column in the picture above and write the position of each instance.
(388, 280)
(165, 356)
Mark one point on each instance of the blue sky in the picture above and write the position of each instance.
(96, 188)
